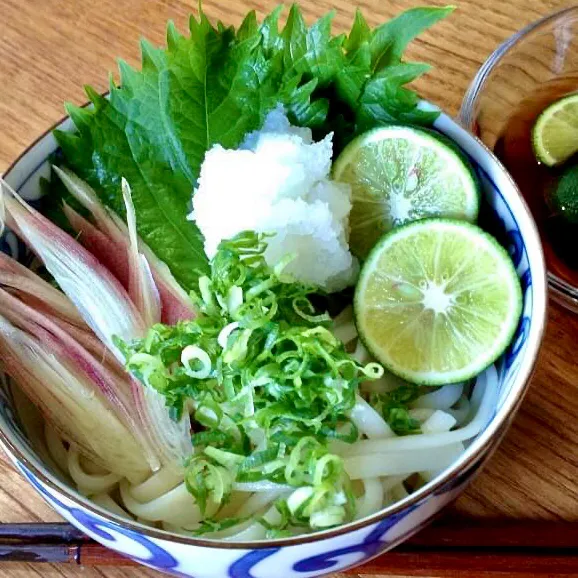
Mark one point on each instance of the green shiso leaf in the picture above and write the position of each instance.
(216, 84)
(389, 40)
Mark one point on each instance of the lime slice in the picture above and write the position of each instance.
(437, 301)
(555, 134)
(399, 174)
(563, 199)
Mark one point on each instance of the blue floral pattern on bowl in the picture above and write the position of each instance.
(345, 547)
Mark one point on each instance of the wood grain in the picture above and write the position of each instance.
(49, 50)
(447, 548)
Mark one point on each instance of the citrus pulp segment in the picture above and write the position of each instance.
(400, 174)
(555, 134)
(437, 301)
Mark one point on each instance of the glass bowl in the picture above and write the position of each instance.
(533, 68)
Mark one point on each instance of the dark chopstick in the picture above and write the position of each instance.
(34, 533)
(41, 543)
(450, 547)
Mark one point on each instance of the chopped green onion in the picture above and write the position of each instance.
(225, 332)
(269, 384)
(193, 353)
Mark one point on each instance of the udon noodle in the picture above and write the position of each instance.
(384, 467)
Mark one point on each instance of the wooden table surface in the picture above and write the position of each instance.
(49, 50)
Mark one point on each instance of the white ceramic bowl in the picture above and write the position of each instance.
(506, 215)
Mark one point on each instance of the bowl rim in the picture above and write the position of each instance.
(465, 114)
(487, 440)
(563, 292)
